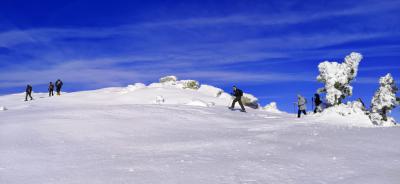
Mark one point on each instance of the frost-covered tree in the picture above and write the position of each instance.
(384, 101)
(337, 77)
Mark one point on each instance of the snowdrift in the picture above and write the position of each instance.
(350, 114)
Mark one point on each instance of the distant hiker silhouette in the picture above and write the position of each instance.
(28, 92)
(302, 104)
(59, 85)
(51, 89)
(237, 93)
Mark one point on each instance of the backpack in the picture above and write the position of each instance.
(240, 92)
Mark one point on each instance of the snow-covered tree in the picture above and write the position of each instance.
(337, 77)
(384, 101)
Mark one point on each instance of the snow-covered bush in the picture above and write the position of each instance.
(189, 84)
(210, 90)
(384, 101)
(272, 107)
(337, 78)
(250, 100)
(167, 79)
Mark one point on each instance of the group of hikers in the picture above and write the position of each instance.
(301, 102)
(236, 93)
(58, 85)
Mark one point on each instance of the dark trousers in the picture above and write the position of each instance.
(238, 99)
(51, 92)
(317, 109)
(301, 111)
(58, 91)
(28, 94)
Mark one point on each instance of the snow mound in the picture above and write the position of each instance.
(350, 114)
(272, 107)
(135, 87)
(210, 90)
(225, 96)
(2, 108)
(200, 103)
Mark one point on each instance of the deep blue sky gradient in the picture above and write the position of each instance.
(268, 48)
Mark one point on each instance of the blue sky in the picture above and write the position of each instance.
(268, 48)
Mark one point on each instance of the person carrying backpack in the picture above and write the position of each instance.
(317, 103)
(302, 104)
(237, 93)
(51, 89)
(28, 92)
(59, 85)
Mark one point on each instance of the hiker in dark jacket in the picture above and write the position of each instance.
(51, 89)
(59, 85)
(317, 103)
(28, 92)
(237, 93)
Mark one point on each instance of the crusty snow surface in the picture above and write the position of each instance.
(123, 135)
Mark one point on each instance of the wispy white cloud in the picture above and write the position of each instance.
(276, 19)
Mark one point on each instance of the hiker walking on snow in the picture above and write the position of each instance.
(28, 92)
(302, 104)
(59, 85)
(237, 93)
(317, 103)
(51, 89)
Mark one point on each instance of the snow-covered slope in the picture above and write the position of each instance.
(163, 133)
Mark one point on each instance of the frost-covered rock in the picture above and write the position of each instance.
(337, 77)
(173, 81)
(2, 108)
(384, 101)
(272, 107)
(168, 79)
(210, 90)
(160, 99)
(188, 84)
(250, 100)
